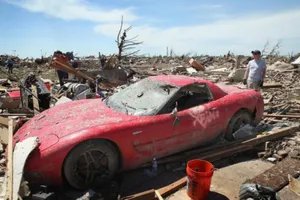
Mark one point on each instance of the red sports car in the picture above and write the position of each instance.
(84, 143)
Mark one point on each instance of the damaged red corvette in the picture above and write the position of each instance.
(84, 143)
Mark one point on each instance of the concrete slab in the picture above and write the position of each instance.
(286, 193)
(227, 181)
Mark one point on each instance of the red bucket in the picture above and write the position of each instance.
(199, 174)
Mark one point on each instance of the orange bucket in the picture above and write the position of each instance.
(199, 174)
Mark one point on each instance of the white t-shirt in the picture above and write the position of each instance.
(256, 68)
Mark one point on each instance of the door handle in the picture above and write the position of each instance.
(213, 109)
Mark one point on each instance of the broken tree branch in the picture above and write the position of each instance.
(125, 44)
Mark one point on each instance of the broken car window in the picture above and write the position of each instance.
(145, 97)
(188, 97)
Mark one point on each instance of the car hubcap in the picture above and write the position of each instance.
(92, 168)
(240, 122)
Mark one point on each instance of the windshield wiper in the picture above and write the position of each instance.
(167, 87)
(128, 106)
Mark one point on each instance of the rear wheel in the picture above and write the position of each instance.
(91, 164)
(239, 119)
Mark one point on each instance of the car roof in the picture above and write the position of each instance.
(178, 80)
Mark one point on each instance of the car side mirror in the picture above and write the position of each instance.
(174, 111)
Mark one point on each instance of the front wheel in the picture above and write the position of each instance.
(239, 119)
(91, 164)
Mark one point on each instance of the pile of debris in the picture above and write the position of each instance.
(278, 150)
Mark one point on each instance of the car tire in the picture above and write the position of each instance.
(239, 119)
(91, 164)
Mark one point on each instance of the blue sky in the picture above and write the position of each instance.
(190, 26)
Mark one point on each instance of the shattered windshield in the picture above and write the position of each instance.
(145, 97)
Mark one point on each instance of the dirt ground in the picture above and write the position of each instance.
(227, 181)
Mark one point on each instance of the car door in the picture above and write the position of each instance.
(200, 124)
(151, 139)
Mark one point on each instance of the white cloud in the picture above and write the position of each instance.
(239, 34)
(75, 10)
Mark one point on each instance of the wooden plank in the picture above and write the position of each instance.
(235, 148)
(215, 151)
(11, 125)
(282, 116)
(277, 176)
(3, 130)
(282, 110)
(16, 114)
(149, 194)
(158, 195)
(60, 64)
(36, 107)
(272, 85)
(4, 121)
(170, 189)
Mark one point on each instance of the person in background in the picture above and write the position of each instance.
(61, 74)
(10, 65)
(255, 73)
(103, 61)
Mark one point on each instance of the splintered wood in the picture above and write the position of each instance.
(278, 113)
(216, 152)
(35, 101)
(9, 174)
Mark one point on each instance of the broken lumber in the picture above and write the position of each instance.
(294, 185)
(219, 151)
(62, 65)
(271, 85)
(158, 195)
(16, 114)
(234, 147)
(36, 107)
(149, 194)
(196, 65)
(281, 116)
(4, 121)
(11, 126)
(170, 189)
(277, 176)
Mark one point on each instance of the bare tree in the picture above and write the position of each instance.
(264, 50)
(126, 46)
(273, 52)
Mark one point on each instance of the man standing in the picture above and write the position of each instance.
(103, 61)
(255, 73)
(10, 65)
(61, 74)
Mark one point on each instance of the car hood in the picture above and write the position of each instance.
(71, 117)
(230, 89)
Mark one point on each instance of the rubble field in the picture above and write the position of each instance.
(281, 95)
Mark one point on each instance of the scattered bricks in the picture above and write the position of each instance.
(196, 65)
(278, 157)
(291, 143)
(283, 153)
(261, 154)
(296, 148)
(294, 154)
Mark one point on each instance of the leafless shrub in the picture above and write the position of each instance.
(126, 46)
(273, 54)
